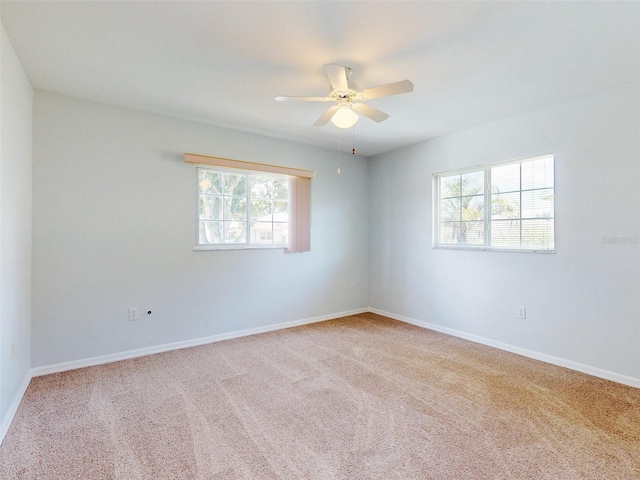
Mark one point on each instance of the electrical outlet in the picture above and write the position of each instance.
(522, 313)
(352, 286)
(133, 314)
(13, 351)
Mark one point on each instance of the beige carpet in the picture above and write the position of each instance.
(362, 397)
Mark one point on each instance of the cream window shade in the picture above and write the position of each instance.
(299, 214)
(299, 194)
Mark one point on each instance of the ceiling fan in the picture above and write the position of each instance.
(349, 99)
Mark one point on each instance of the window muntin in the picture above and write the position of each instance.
(520, 200)
(240, 209)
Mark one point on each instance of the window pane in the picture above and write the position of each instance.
(537, 173)
(210, 233)
(235, 232)
(210, 207)
(505, 233)
(262, 233)
(505, 205)
(280, 233)
(450, 209)
(537, 203)
(471, 233)
(472, 208)
(472, 183)
(209, 182)
(537, 233)
(281, 188)
(261, 186)
(235, 208)
(261, 211)
(280, 207)
(505, 178)
(449, 232)
(450, 186)
(235, 185)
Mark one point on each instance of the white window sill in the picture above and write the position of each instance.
(206, 248)
(482, 248)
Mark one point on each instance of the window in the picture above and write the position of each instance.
(242, 208)
(506, 206)
(241, 204)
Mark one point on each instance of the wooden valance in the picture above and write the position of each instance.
(243, 165)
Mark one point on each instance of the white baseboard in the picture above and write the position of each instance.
(87, 362)
(115, 357)
(13, 408)
(561, 362)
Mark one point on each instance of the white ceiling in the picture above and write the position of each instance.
(222, 63)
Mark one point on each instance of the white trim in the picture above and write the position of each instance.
(88, 362)
(13, 408)
(471, 248)
(238, 246)
(62, 367)
(115, 357)
(561, 362)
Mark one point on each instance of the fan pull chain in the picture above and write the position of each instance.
(353, 139)
(339, 153)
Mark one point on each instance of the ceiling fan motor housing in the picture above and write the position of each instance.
(344, 97)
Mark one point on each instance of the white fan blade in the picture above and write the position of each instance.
(404, 86)
(337, 75)
(326, 116)
(370, 112)
(302, 99)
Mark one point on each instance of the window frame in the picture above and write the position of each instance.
(487, 208)
(299, 194)
(247, 245)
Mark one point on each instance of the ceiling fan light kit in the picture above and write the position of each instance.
(344, 117)
(349, 99)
